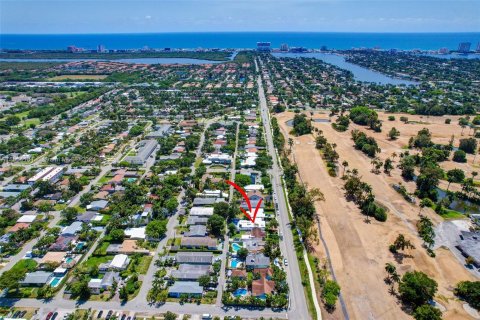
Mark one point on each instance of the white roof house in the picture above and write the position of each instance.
(247, 225)
(120, 262)
(28, 218)
(135, 233)
(201, 211)
(254, 187)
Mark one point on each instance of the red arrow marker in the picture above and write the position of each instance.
(247, 200)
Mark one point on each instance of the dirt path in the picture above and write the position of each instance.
(359, 250)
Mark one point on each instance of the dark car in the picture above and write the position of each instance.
(123, 316)
(55, 314)
(99, 314)
(109, 314)
(49, 315)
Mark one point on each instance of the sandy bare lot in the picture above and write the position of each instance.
(359, 250)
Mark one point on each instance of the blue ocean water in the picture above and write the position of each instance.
(404, 41)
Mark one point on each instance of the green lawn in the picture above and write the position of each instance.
(97, 260)
(102, 249)
(452, 214)
(144, 264)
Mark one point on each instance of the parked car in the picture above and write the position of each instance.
(49, 315)
(285, 262)
(99, 314)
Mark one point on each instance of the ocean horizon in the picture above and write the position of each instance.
(240, 40)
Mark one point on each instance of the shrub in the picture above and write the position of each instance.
(459, 156)
(416, 288)
(427, 312)
(470, 292)
(447, 121)
(391, 118)
(380, 214)
(468, 145)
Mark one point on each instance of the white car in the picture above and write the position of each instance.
(285, 262)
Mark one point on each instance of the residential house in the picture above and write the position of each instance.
(188, 288)
(36, 279)
(198, 243)
(120, 262)
(63, 243)
(188, 272)
(99, 285)
(72, 229)
(196, 231)
(257, 261)
(97, 205)
(194, 257)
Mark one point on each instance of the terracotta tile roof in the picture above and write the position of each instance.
(262, 286)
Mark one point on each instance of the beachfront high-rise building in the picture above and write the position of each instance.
(284, 47)
(443, 50)
(73, 49)
(264, 46)
(464, 47)
(101, 48)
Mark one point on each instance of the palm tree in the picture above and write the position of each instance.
(345, 165)
(290, 143)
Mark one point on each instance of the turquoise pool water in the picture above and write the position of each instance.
(69, 260)
(240, 292)
(132, 179)
(234, 263)
(236, 247)
(55, 281)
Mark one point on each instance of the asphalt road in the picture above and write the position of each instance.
(298, 306)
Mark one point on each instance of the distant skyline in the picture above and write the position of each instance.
(149, 16)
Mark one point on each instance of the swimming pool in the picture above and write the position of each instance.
(132, 179)
(55, 281)
(234, 263)
(241, 292)
(69, 260)
(236, 247)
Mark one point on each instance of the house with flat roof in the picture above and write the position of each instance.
(16, 187)
(99, 285)
(97, 205)
(201, 211)
(188, 272)
(193, 220)
(36, 279)
(145, 148)
(120, 262)
(202, 202)
(72, 229)
(188, 288)
(197, 230)
(135, 233)
(194, 257)
(198, 243)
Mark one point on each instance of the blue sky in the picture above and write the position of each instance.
(112, 16)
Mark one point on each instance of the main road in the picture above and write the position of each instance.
(298, 304)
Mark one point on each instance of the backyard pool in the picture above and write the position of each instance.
(236, 247)
(69, 260)
(241, 292)
(55, 281)
(234, 263)
(132, 179)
